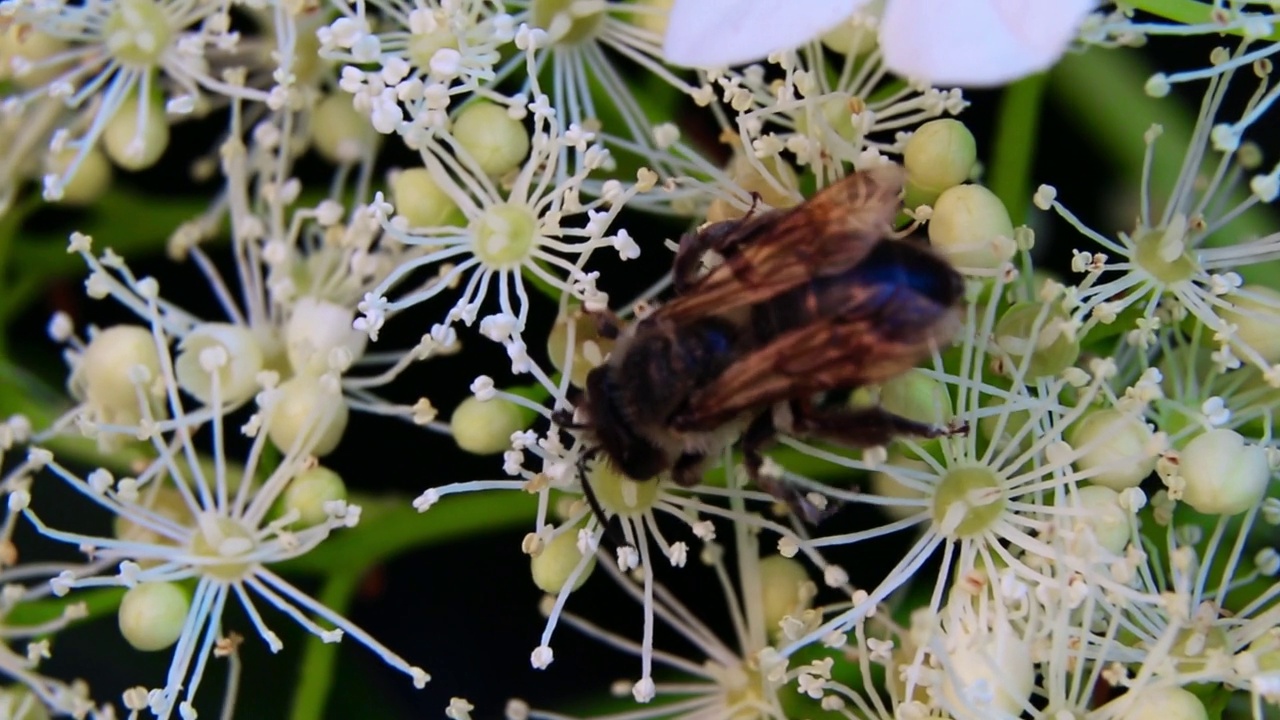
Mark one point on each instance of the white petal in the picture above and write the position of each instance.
(718, 33)
(977, 42)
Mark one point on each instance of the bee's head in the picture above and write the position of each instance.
(628, 451)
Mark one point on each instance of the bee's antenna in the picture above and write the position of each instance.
(596, 508)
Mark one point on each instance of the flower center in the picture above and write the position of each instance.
(222, 538)
(1163, 253)
(967, 501)
(423, 46)
(137, 33)
(504, 235)
(568, 22)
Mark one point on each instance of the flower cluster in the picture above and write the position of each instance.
(736, 303)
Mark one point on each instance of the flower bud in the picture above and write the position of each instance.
(133, 142)
(1114, 448)
(1054, 347)
(316, 327)
(22, 45)
(655, 20)
(17, 702)
(563, 20)
(340, 134)
(1099, 508)
(855, 36)
(552, 567)
(786, 588)
(939, 155)
(996, 657)
(309, 413)
(90, 181)
(152, 614)
(419, 200)
(103, 377)
(916, 396)
(484, 427)
(236, 361)
(885, 484)
(591, 349)
(308, 492)
(1223, 475)
(495, 140)
(971, 227)
(1165, 703)
(748, 177)
(1256, 316)
(619, 494)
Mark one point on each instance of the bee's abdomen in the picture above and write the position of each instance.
(898, 284)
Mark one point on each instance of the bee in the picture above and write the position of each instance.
(809, 299)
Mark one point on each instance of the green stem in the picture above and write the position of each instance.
(319, 658)
(1185, 12)
(1017, 126)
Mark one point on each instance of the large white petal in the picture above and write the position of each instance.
(977, 42)
(716, 33)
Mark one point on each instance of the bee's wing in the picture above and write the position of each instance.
(776, 251)
(846, 351)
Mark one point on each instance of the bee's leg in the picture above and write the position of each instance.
(608, 324)
(719, 237)
(865, 427)
(688, 469)
(759, 435)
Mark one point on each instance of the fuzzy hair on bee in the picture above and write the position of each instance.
(809, 299)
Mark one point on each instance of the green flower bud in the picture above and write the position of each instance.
(307, 411)
(105, 375)
(90, 180)
(886, 485)
(341, 135)
(1054, 347)
(484, 427)
(1166, 703)
(591, 348)
(1115, 448)
(555, 563)
(136, 143)
(786, 588)
(971, 227)
(308, 492)
(1256, 316)
(239, 360)
(620, 495)
(495, 140)
(419, 199)
(939, 155)
(17, 702)
(1223, 475)
(655, 21)
(855, 38)
(21, 47)
(567, 22)
(152, 614)
(916, 396)
(997, 657)
(748, 177)
(1101, 511)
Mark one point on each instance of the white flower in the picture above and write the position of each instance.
(942, 42)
